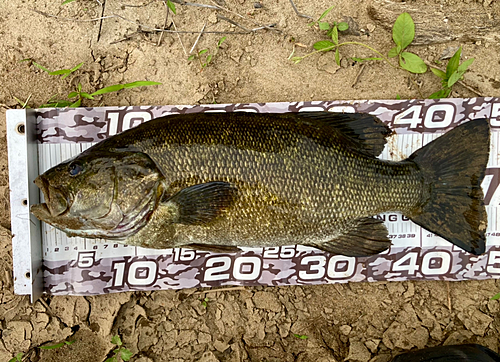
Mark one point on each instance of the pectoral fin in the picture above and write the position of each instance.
(200, 204)
(368, 237)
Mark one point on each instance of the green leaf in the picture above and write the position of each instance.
(171, 6)
(191, 57)
(455, 77)
(125, 354)
(403, 31)
(297, 60)
(496, 296)
(70, 342)
(86, 95)
(67, 2)
(112, 88)
(54, 346)
(140, 83)
(398, 96)
(77, 67)
(335, 35)
(412, 63)
(40, 66)
(300, 336)
(116, 340)
(439, 73)
(17, 358)
(453, 63)
(61, 71)
(209, 58)
(203, 51)
(221, 41)
(76, 104)
(393, 52)
(442, 93)
(117, 87)
(325, 13)
(343, 26)
(323, 25)
(72, 94)
(111, 359)
(323, 44)
(337, 56)
(463, 67)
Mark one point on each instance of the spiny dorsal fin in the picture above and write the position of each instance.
(367, 131)
(368, 237)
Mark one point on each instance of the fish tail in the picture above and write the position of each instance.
(453, 167)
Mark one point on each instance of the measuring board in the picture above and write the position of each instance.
(46, 260)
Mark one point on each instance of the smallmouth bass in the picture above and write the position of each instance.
(216, 181)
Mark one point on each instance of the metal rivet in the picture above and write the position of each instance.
(20, 128)
(27, 275)
(25, 202)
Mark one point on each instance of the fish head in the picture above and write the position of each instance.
(100, 194)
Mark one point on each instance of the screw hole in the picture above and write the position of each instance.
(20, 128)
(27, 275)
(25, 202)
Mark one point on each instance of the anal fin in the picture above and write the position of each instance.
(213, 248)
(368, 237)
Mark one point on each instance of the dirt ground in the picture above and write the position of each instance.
(355, 322)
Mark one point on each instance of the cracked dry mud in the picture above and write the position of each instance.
(355, 322)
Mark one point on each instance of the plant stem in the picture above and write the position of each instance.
(372, 49)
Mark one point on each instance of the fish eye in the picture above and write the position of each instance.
(75, 168)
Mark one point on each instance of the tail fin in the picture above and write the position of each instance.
(453, 167)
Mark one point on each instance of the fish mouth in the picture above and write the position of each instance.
(56, 202)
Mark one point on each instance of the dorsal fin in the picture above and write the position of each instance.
(367, 131)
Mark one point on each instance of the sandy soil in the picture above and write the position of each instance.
(356, 322)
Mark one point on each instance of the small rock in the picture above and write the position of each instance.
(448, 53)
(267, 301)
(204, 337)
(493, 306)
(208, 357)
(358, 352)
(372, 345)
(257, 5)
(410, 290)
(475, 321)
(220, 346)
(345, 329)
(458, 337)
(212, 18)
(370, 28)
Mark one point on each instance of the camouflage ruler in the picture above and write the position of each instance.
(83, 266)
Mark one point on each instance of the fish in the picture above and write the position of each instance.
(452, 353)
(221, 181)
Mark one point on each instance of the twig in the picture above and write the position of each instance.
(127, 37)
(470, 88)
(180, 40)
(233, 22)
(165, 24)
(297, 12)
(114, 16)
(358, 75)
(100, 22)
(449, 297)
(219, 290)
(198, 38)
(138, 6)
(242, 17)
